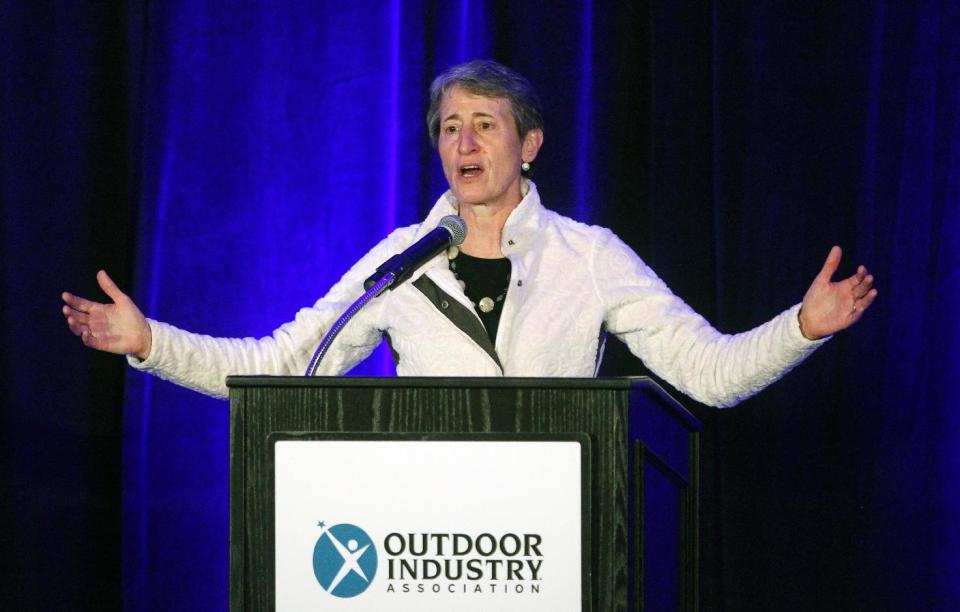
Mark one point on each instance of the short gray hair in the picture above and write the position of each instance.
(492, 80)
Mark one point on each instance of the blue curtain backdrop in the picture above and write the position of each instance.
(228, 161)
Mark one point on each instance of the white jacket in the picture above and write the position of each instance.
(569, 281)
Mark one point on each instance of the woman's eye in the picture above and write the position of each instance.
(450, 129)
(485, 125)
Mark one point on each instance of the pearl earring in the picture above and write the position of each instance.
(525, 166)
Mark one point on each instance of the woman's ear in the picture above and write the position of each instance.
(531, 144)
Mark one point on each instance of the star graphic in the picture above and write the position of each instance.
(321, 524)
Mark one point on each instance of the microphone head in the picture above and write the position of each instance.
(457, 228)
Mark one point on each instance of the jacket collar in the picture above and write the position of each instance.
(520, 231)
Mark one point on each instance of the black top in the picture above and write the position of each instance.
(484, 278)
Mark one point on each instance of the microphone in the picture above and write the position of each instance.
(451, 231)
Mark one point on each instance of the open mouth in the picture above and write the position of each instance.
(469, 170)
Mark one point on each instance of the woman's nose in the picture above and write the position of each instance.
(468, 142)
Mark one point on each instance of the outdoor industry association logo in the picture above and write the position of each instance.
(344, 559)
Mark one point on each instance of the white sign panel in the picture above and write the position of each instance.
(428, 525)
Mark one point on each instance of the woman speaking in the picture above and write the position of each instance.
(529, 292)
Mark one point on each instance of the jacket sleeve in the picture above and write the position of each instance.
(679, 345)
(202, 363)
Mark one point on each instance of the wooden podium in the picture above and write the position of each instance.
(644, 468)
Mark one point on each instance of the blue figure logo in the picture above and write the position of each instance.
(344, 560)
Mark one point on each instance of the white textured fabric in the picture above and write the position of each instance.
(567, 280)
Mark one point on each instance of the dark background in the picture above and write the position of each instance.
(227, 161)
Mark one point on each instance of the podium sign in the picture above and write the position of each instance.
(431, 522)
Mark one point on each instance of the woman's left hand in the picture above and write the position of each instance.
(829, 307)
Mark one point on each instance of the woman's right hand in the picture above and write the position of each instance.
(119, 327)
